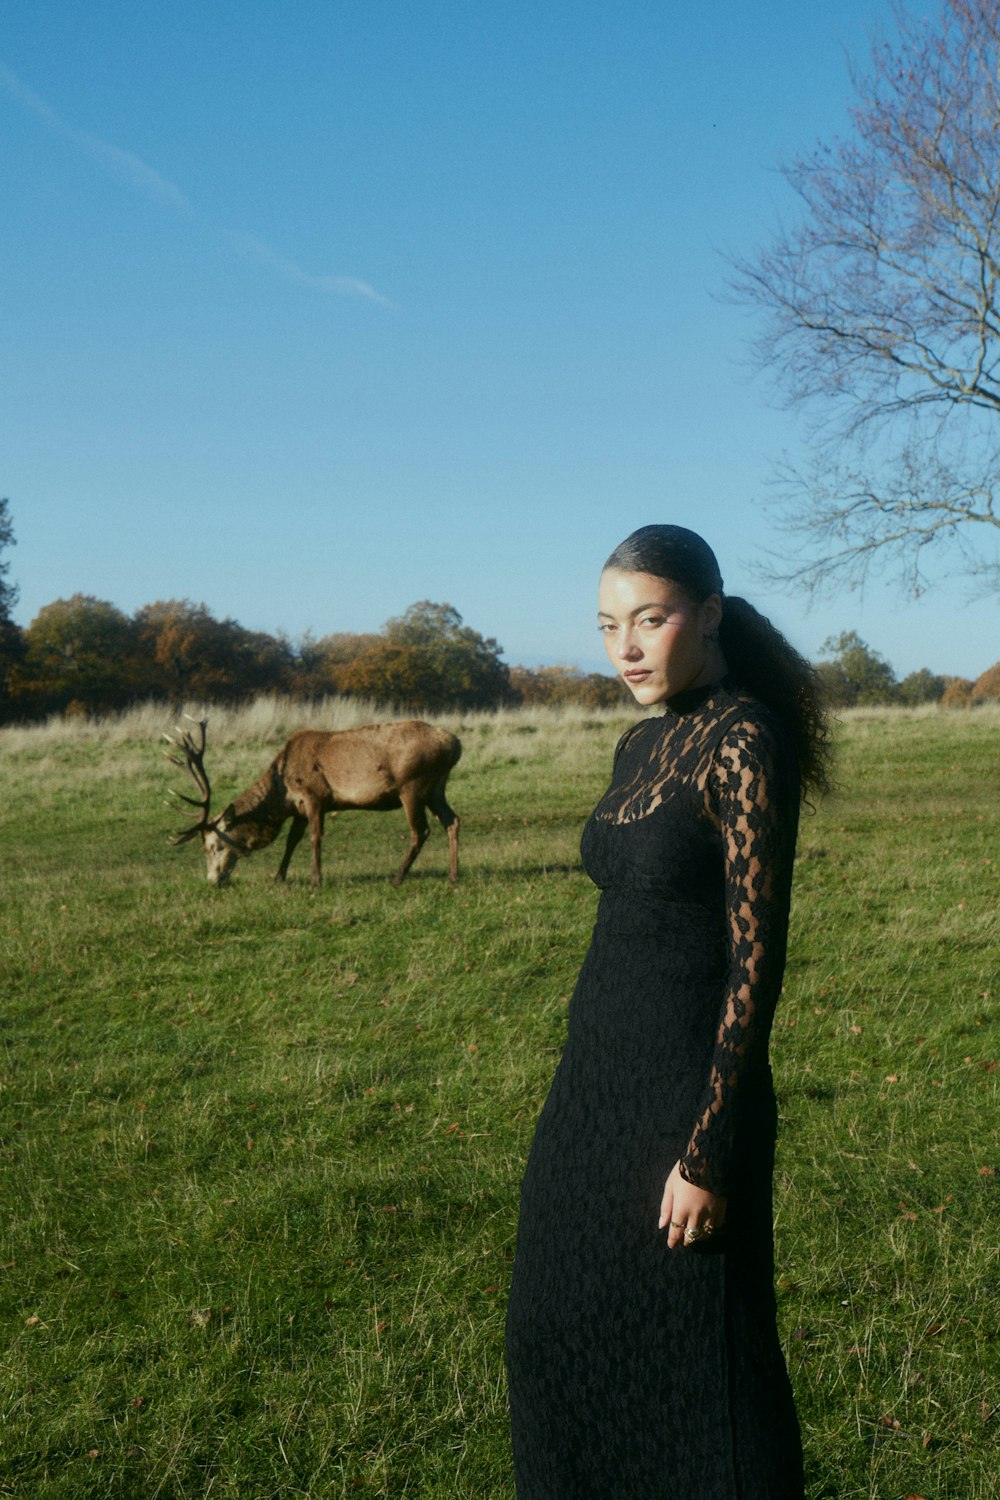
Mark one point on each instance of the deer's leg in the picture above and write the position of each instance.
(416, 816)
(298, 828)
(316, 836)
(450, 821)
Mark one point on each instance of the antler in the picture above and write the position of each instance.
(194, 764)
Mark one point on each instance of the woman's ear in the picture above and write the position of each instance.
(711, 615)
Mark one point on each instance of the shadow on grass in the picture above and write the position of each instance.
(419, 877)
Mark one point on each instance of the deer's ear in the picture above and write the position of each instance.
(228, 813)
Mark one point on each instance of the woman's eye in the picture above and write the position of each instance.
(653, 620)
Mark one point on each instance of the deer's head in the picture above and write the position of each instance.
(221, 849)
(221, 853)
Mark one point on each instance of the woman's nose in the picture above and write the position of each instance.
(628, 646)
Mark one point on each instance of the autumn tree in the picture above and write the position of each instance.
(321, 664)
(957, 692)
(11, 659)
(882, 315)
(78, 651)
(467, 665)
(428, 659)
(559, 685)
(188, 654)
(986, 688)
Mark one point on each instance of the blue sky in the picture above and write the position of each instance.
(313, 310)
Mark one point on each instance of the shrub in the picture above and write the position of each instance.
(957, 693)
(986, 688)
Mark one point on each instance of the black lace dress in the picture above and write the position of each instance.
(637, 1371)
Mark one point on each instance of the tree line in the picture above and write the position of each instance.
(854, 676)
(85, 656)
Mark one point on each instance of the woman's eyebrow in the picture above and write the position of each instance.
(657, 604)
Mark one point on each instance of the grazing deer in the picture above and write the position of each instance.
(379, 766)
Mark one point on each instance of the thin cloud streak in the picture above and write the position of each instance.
(121, 164)
(145, 180)
(255, 249)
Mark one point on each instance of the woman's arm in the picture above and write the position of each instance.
(754, 791)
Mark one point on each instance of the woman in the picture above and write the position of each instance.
(642, 1347)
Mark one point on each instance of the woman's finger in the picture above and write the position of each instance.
(703, 1223)
(675, 1236)
(666, 1205)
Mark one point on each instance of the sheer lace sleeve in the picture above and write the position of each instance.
(754, 793)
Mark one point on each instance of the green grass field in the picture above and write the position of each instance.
(261, 1147)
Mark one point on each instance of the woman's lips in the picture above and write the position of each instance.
(639, 674)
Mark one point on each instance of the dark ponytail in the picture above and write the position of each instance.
(758, 656)
(761, 660)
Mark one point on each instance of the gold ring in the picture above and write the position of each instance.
(674, 1224)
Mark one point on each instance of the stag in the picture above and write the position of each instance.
(378, 767)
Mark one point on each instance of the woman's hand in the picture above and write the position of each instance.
(685, 1208)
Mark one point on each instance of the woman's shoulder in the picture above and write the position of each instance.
(752, 735)
(741, 709)
(637, 734)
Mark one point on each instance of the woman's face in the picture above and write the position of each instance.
(656, 636)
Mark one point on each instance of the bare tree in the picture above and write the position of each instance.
(883, 316)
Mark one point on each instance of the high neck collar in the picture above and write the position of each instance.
(692, 698)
